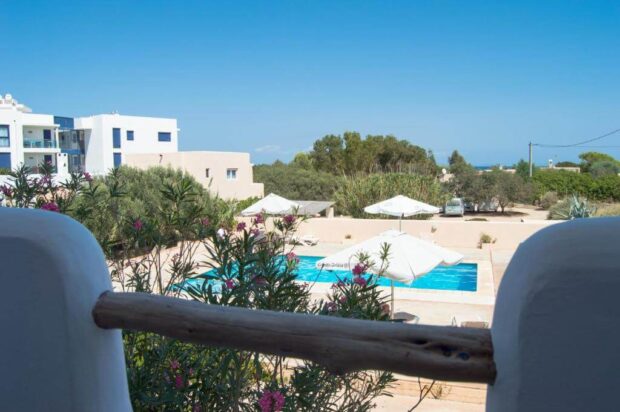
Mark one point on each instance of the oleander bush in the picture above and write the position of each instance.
(165, 235)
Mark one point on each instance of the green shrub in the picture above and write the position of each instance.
(548, 200)
(296, 183)
(5, 171)
(358, 192)
(565, 183)
(485, 239)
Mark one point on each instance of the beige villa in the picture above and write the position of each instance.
(229, 174)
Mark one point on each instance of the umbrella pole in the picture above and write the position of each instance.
(392, 305)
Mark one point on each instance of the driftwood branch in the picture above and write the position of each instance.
(342, 345)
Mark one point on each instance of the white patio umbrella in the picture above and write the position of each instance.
(401, 206)
(271, 204)
(409, 257)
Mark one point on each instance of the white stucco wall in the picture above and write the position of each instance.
(196, 163)
(99, 140)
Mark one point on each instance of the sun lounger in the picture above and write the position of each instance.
(405, 317)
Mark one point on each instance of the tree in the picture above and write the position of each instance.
(604, 168)
(566, 163)
(351, 155)
(303, 160)
(523, 169)
(328, 154)
(589, 158)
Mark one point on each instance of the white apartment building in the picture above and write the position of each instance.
(94, 144)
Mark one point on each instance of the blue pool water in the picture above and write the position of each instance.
(461, 277)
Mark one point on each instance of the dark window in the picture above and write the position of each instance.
(129, 134)
(164, 136)
(116, 138)
(117, 159)
(64, 123)
(231, 174)
(207, 172)
(5, 160)
(5, 140)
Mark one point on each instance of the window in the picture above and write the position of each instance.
(129, 134)
(207, 172)
(5, 160)
(117, 159)
(231, 174)
(116, 138)
(5, 140)
(164, 136)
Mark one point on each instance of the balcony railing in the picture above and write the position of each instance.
(40, 144)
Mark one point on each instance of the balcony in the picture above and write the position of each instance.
(40, 144)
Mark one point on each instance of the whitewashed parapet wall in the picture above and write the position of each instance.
(52, 355)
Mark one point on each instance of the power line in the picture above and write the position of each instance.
(579, 143)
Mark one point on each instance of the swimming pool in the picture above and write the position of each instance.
(462, 277)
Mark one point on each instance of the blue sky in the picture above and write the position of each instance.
(270, 77)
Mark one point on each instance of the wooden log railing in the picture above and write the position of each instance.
(342, 345)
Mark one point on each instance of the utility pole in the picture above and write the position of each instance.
(531, 166)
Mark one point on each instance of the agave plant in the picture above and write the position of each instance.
(577, 208)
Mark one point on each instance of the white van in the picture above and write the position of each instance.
(455, 207)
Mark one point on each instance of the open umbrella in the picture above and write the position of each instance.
(271, 204)
(409, 257)
(401, 206)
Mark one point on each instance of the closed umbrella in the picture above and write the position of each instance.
(271, 204)
(401, 206)
(409, 257)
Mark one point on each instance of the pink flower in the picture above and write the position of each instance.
(51, 206)
(331, 306)
(137, 224)
(205, 221)
(240, 226)
(178, 382)
(360, 281)
(229, 284)
(174, 364)
(6, 190)
(292, 257)
(196, 408)
(88, 177)
(343, 299)
(259, 280)
(289, 219)
(358, 269)
(259, 218)
(271, 401)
